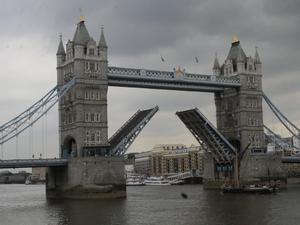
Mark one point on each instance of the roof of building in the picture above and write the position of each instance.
(256, 58)
(102, 42)
(61, 49)
(236, 52)
(81, 36)
(216, 63)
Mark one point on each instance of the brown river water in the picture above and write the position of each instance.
(163, 205)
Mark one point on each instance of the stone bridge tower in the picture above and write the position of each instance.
(239, 111)
(83, 124)
(83, 110)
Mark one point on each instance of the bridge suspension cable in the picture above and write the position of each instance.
(292, 128)
(27, 118)
(277, 140)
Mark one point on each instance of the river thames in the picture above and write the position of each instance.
(164, 205)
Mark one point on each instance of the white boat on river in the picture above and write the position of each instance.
(156, 181)
(134, 181)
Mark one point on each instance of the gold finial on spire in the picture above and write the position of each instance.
(235, 39)
(81, 17)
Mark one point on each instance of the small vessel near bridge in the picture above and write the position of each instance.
(156, 181)
(135, 181)
(250, 189)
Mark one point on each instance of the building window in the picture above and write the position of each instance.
(87, 137)
(93, 137)
(92, 117)
(92, 67)
(98, 136)
(91, 51)
(87, 117)
(86, 95)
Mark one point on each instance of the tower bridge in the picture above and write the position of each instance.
(91, 163)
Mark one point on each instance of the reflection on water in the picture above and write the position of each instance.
(21, 204)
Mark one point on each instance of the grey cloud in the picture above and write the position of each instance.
(137, 32)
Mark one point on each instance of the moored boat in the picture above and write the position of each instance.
(134, 181)
(260, 189)
(156, 181)
(251, 189)
(177, 182)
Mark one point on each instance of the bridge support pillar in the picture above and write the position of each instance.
(258, 168)
(212, 178)
(262, 168)
(87, 178)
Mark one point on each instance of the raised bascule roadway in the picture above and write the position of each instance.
(88, 158)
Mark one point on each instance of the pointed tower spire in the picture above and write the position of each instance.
(81, 36)
(216, 67)
(256, 57)
(102, 42)
(216, 62)
(240, 55)
(236, 52)
(61, 49)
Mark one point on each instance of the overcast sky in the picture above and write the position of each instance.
(137, 32)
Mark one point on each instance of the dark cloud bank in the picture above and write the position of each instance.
(137, 32)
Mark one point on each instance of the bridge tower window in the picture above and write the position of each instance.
(91, 51)
(98, 136)
(87, 137)
(92, 67)
(98, 117)
(92, 137)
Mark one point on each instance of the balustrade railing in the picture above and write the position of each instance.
(170, 75)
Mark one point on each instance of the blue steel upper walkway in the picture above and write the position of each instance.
(170, 80)
(29, 163)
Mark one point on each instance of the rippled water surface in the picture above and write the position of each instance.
(26, 205)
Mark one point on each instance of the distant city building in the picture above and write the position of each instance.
(288, 145)
(168, 159)
(7, 177)
(142, 163)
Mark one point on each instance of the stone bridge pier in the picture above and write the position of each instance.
(90, 177)
(91, 171)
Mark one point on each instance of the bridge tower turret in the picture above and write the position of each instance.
(83, 110)
(60, 59)
(216, 67)
(239, 111)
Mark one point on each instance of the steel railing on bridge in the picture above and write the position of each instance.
(176, 80)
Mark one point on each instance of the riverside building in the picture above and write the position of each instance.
(168, 159)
